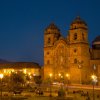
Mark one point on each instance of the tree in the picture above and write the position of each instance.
(16, 81)
(38, 80)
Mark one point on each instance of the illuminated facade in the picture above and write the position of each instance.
(25, 67)
(70, 55)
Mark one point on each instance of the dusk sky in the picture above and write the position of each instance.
(22, 24)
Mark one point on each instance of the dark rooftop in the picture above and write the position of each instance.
(53, 27)
(97, 39)
(19, 65)
(78, 20)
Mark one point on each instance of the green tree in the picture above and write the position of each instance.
(16, 81)
(38, 80)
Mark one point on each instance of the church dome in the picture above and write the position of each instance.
(96, 40)
(96, 43)
(52, 28)
(78, 23)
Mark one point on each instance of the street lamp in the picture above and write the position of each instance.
(1, 76)
(68, 76)
(59, 75)
(60, 78)
(94, 81)
(50, 75)
(50, 84)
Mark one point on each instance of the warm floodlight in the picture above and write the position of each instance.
(1, 76)
(67, 75)
(50, 74)
(94, 78)
(59, 74)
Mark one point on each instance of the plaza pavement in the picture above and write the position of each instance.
(46, 95)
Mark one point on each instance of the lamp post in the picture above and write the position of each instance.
(61, 81)
(1, 76)
(94, 81)
(50, 84)
(67, 75)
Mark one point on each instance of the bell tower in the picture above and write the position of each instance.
(78, 31)
(51, 35)
(79, 55)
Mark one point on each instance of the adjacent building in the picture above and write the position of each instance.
(30, 68)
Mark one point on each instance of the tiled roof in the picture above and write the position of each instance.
(17, 65)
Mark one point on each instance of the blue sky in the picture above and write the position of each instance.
(22, 24)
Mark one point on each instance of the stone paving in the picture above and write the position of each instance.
(73, 94)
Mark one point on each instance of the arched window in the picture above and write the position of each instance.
(75, 50)
(75, 27)
(75, 36)
(49, 40)
(75, 60)
(47, 53)
(48, 62)
(83, 36)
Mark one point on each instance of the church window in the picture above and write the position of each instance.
(75, 50)
(48, 62)
(83, 36)
(75, 27)
(75, 60)
(47, 53)
(75, 36)
(49, 40)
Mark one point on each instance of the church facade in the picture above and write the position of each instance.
(70, 57)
